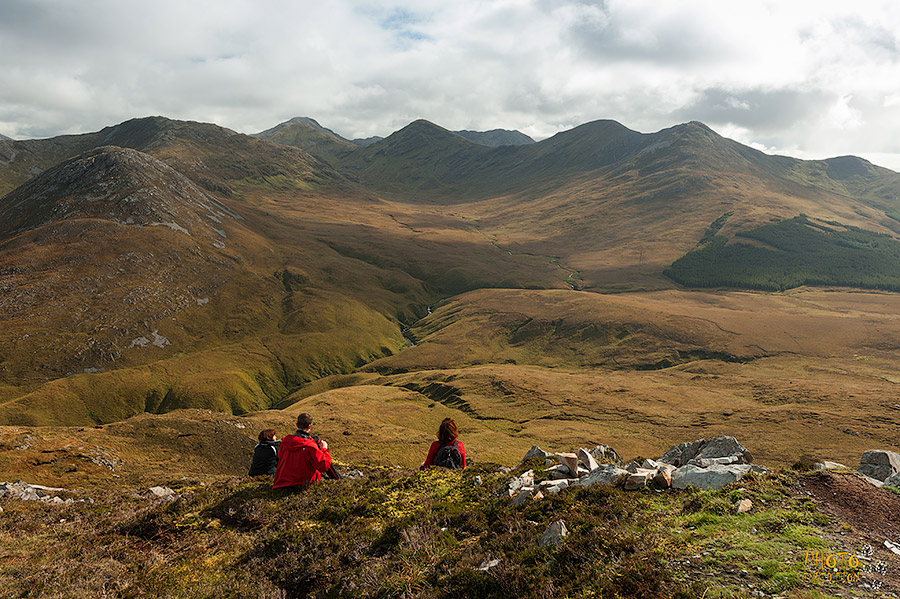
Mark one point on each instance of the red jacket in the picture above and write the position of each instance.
(300, 461)
(432, 452)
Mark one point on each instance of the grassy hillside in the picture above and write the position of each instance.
(399, 532)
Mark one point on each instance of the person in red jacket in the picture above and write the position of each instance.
(448, 451)
(302, 459)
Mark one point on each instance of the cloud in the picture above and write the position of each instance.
(808, 77)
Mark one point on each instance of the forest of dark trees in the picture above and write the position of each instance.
(803, 252)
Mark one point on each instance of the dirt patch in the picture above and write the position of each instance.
(865, 516)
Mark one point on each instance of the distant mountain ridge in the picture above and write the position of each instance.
(130, 284)
(496, 137)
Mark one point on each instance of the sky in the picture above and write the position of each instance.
(811, 79)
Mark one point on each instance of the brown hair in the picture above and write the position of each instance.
(447, 432)
(266, 435)
(304, 421)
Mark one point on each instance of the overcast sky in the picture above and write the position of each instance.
(811, 79)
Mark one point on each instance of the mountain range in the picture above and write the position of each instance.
(160, 264)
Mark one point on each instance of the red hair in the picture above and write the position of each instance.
(447, 432)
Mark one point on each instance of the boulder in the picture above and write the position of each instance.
(663, 476)
(604, 474)
(605, 454)
(879, 464)
(713, 477)
(554, 534)
(587, 459)
(722, 446)
(159, 492)
(569, 460)
(650, 464)
(535, 452)
(638, 480)
(632, 466)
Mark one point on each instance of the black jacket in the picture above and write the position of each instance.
(265, 458)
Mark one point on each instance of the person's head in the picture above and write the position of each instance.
(267, 435)
(304, 421)
(447, 432)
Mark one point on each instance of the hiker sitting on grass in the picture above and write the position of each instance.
(265, 454)
(448, 451)
(302, 457)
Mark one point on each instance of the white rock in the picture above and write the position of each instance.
(487, 565)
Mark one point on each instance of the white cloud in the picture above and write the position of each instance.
(818, 76)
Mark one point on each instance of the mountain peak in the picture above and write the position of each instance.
(116, 184)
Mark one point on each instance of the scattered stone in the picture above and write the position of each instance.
(744, 505)
(650, 464)
(522, 497)
(504, 470)
(894, 547)
(604, 474)
(712, 477)
(535, 452)
(569, 460)
(354, 474)
(632, 466)
(24, 492)
(560, 474)
(477, 481)
(159, 493)
(558, 486)
(554, 534)
(526, 480)
(538, 495)
(487, 565)
(879, 464)
(587, 459)
(892, 481)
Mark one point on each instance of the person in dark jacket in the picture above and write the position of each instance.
(447, 435)
(302, 458)
(265, 454)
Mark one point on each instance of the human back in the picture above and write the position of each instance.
(301, 458)
(448, 451)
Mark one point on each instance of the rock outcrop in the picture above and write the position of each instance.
(879, 464)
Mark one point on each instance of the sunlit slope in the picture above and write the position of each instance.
(810, 371)
(112, 262)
